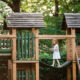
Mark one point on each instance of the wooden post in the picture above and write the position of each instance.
(14, 70)
(9, 70)
(74, 54)
(37, 44)
(68, 32)
(37, 71)
(37, 53)
(36, 31)
(14, 45)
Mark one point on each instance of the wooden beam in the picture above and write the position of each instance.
(68, 73)
(14, 45)
(55, 36)
(74, 54)
(37, 71)
(9, 70)
(26, 61)
(36, 32)
(14, 71)
(68, 32)
(7, 36)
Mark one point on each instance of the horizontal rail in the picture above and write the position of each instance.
(55, 36)
(7, 36)
(28, 61)
(5, 50)
(6, 54)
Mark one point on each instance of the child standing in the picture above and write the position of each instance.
(56, 53)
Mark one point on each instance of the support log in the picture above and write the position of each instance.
(68, 32)
(74, 54)
(37, 71)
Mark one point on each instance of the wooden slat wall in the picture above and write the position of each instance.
(25, 20)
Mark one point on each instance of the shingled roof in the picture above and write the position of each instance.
(71, 20)
(25, 20)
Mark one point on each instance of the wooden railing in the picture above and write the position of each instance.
(6, 43)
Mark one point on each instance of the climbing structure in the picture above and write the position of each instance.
(22, 42)
(23, 45)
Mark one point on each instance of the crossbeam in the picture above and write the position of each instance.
(7, 36)
(55, 36)
(36, 61)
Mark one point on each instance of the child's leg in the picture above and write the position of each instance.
(53, 62)
(58, 62)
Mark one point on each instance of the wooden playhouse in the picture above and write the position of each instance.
(23, 45)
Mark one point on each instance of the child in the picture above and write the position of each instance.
(56, 53)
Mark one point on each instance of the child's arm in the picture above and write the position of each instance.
(56, 48)
(51, 49)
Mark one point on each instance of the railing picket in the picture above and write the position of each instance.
(32, 45)
(26, 75)
(29, 45)
(25, 44)
(22, 44)
(18, 39)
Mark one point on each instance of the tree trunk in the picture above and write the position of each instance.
(16, 5)
(56, 8)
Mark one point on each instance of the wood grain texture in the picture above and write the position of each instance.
(25, 20)
(9, 70)
(55, 36)
(74, 54)
(71, 20)
(14, 45)
(26, 61)
(14, 71)
(37, 71)
(69, 54)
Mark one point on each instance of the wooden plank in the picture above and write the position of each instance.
(25, 45)
(31, 26)
(14, 45)
(55, 36)
(33, 31)
(25, 14)
(68, 43)
(36, 44)
(9, 70)
(26, 23)
(14, 71)
(14, 18)
(74, 54)
(68, 32)
(22, 51)
(36, 61)
(5, 54)
(7, 36)
(37, 71)
(68, 73)
(26, 20)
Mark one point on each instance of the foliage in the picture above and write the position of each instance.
(53, 24)
(4, 10)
